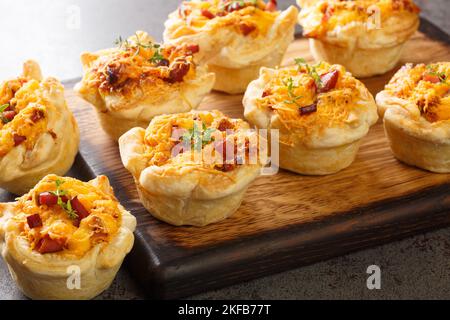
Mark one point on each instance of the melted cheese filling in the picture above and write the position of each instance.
(194, 21)
(100, 226)
(132, 71)
(27, 99)
(161, 141)
(328, 15)
(431, 97)
(333, 107)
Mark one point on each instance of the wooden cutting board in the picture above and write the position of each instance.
(285, 221)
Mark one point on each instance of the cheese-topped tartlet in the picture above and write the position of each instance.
(38, 133)
(65, 227)
(416, 109)
(192, 168)
(321, 111)
(139, 79)
(236, 37)
(365, 36)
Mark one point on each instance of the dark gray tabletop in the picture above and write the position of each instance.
(55, 32)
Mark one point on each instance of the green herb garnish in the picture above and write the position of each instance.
(199, 137)
(149, 45)
(125, 45)
(240, 3)
(157, 56)
(206, 136)
(122, 44)
(293, 98)
(311, 70)
(140, 45)
(66, 206)
(441, 75)
(3, 107)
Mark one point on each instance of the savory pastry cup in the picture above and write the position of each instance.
(65, 239)
(38, 132)
(416, 109)
(237, 38)
(321, 111)
(139, 79)
(365, 36)
(192, 168)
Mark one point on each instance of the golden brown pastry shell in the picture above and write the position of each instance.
(235, 58)
(45, 276)
(364, 51)
(413, 139)
(188, 197)
(317, 153)
(313, 161)
(21, 169)
(361, 62)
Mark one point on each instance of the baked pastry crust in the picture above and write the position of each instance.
(97, 246)
(38, 133)
(235, 42)
(416, 109)
(186, 187)
(321, 112)
(340, 32)
(140, 79)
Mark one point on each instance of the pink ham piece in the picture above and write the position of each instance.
(18, 139)
(49, 199)
(271, 5)
(48, 245)
(34, 221)
(329, 81)
(81, 211)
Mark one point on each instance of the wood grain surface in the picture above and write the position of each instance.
(285, 220)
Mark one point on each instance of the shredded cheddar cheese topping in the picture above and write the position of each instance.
(140, 67)
(250, 17)
(197, 140)
(57, 228)
(24, 114)
(427, 86)
(309, 98)
(325, 16)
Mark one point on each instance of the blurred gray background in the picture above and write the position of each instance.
(55, 32)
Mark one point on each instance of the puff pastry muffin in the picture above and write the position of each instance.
(62, 225)
(139, 79)
(365, 36)
(192, 168)
(236, 37)
(38, 133)
(416, 109)
(321, 111)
